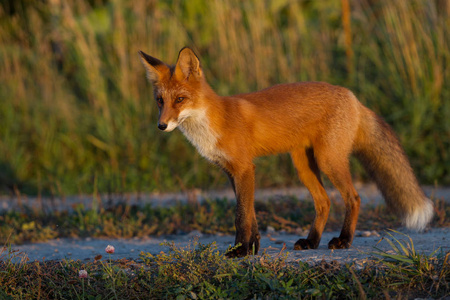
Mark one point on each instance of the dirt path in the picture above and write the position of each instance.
(368, 193)
(272, 243)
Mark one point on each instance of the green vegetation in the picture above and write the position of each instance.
(210, 217)
(406, 257)
(77, 113)
(202, 272)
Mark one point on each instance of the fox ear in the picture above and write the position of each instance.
(154, 66)
(188, 65)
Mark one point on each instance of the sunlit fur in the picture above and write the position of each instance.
(194, 123)
(319, 124)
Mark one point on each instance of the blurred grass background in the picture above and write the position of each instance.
(77, 114)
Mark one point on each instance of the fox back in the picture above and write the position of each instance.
(319, 124)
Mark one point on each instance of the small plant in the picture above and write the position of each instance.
(110, 250)
(110, 271)
(81, 274)
(410, 266)
(406, 256)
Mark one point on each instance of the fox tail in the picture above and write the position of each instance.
(380, 152)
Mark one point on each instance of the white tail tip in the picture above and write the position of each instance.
(419, 218)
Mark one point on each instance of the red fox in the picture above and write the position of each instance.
(319, 124)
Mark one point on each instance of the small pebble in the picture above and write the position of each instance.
(195, 233)
(270, 229)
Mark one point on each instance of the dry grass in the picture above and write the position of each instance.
(76, 107)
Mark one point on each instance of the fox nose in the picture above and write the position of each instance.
(162, 126)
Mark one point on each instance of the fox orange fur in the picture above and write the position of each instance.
(319, 124)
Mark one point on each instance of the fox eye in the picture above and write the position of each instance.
(160, 100)
(180, 99)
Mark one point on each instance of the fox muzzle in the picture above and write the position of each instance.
(162, 126)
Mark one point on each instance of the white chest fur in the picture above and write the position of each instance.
(195, 126)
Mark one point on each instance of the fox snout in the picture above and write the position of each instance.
(169, 126)
(162, 126)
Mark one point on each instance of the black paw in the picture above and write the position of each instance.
(240, 251)
(245, 249)
(304, 244)
(339, 243)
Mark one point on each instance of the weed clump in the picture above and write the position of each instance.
(201, 271)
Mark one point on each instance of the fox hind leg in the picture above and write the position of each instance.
(309, 174)
(338, 171)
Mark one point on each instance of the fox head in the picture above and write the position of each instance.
(177, 89)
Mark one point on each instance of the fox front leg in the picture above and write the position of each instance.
(247, 234)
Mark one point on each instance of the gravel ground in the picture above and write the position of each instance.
(368, 193)
(271, 242)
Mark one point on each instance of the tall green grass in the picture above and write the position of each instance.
(75, 107)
